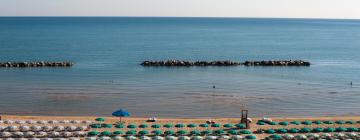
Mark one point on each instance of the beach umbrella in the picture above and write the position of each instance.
(23, 139)
(8, 121)
(326, 135)
(312, 136)
(282, 130)
(352, 129)
(53, 121)
(67, 134)
(90, 138)
(215, 125)
(328, 122)
(237, 137)
(47, 128)
(29, 134)
(270, 131)
(276, 137)
(5, 134)
(157, 132)
(293, 130)
(288, 136)
(204, 125)
(158, 138)
(318, 122)
(145, 138)
(318, 130)
(143, 132)
(245, 132)
(118, 138)
(131, 138)
(106, 133)
(41, 122)
(251, 137)
(191, 125)
(197, 138)
(104, 138)
(20, 122)
(339, 135)
(34, 139)
(24, 128)
(184, 138)
(13, 128)
(75, 121)
(93, 133)
(59, 128)
(295, 122)
(260, 123)
(70, 128)
(240, 126)
(228, 125)
(182, 132)
(36, 128)
(284, 123)
(79, 133)
(272, 123)
(143, 126)
(305, 130)
(95, 125)
(210, 138)
(219, 132)
(233, 132)
(307, 122)
(2, 128)
(170, 138)
(82, 128)
(132, 126)
(42, 134)
(118, 132)
(340, 129)
(352, 134)
(131, 132)
(224, 137)
(329, 129)
(106, 125)
(207, 132)
(100, 119)
(195, 132)
(119, 125)
(180, 125)
(86, 122)
(169, 125)
(121, 113)
(340, 122)
(73, 139)
(169, 132)
(156, 126)
(301, 137)
(18, 134)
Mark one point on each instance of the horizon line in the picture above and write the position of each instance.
(229, 17)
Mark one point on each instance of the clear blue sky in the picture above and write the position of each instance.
(192, 8)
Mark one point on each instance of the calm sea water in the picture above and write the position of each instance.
(107, 74)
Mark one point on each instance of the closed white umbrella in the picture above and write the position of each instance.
(24, 128)
(36, 128)
(60, 139)
(42, 122)
(326, 135)
(301, 137)
(197, 138)
(47, 128)
(53, 121)
(224, 137)
(90, 138)
(131, 138)
(237, 137)
(2, 128)
(71, 128)
(312, 136)
(184, 138)
(86, 122)
(79, 133)
(47, 139)
(118, 138)
(73, 139)
(18, 134)
(42, 134)
(170, 138)
(10, 139)
(352, 134)
(8, 121)
(158, 138)
(339, 135)
(5, 134)
(67, 134)
(30, 122)
(34, 139)
(81, 128)
(1, 121)
(54, 134)
(13, 128)
(210, 137)
(288, 136)
(20, 122)
(64, 121)
(29, 134)
(21, 139)
(75, 121)
(145, 138)
(105, 138)
(59, 128)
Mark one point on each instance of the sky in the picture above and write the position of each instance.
(348, 9)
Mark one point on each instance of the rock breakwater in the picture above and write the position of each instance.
(36, 64)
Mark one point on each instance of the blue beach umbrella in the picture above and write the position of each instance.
(121, 113)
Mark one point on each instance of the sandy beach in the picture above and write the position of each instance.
(162, 121)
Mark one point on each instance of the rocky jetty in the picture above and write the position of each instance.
(277, 63)
(189, 63)
(36, 64)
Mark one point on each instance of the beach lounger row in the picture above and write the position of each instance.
(223, 137)
(156, 126)
(41, 139)
(45, 122)
(42, 134)
(324, 136)
(36, 128)
(270, 122)
(307, 130)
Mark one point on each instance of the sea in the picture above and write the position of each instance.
(107, 75)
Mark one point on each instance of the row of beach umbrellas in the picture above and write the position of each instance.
(224, 137)
(43, 128)
(170, 132)
(264, 122)
(169, 125)
(42, 134)
(43, 139)
(309, 130)
(45, 122)
(313, 136)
